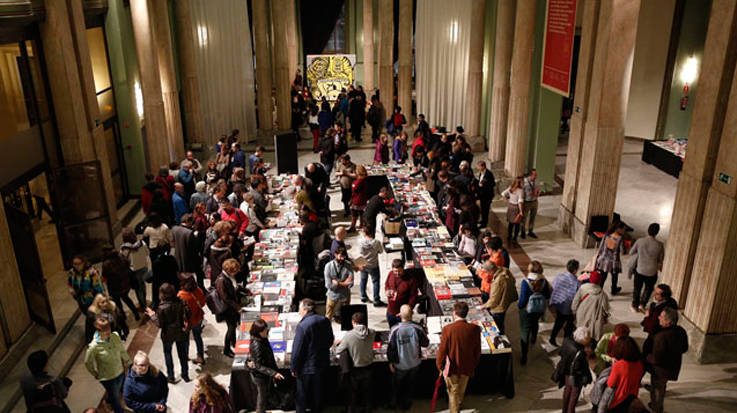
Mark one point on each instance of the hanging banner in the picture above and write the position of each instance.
(328, 74)
(560, 28)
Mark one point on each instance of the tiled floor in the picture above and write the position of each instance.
(645, 195)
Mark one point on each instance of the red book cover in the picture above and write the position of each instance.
(442, 293)
(242, 347)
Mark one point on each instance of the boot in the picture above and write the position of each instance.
(523, 356)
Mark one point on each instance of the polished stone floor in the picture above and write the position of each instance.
(645, 195)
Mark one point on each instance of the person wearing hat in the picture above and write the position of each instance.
(591, 305)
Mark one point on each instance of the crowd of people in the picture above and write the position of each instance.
(203, 220)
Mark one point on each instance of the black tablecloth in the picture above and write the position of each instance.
(494, 374)
(662, 158)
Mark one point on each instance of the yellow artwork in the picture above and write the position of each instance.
(328, 74)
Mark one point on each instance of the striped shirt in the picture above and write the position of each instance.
(565, 286)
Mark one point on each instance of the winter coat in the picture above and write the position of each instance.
(195, 301)
(143, 393)
(105, 359)
(668, 346)
(591, 306)
(572, 363)
(262, 356)
(311, 347)
(503, 292)
(171, 317)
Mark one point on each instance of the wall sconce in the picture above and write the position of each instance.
(688, 75)
(202, 35)
(138, 95)
(453, 31)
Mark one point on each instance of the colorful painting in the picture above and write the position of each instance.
(327, 75)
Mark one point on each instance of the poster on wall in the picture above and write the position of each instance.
(328, 74)
(560, 29)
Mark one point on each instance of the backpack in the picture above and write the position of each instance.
(536, 303)
(214, 302)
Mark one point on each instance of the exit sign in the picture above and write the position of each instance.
(725, 178)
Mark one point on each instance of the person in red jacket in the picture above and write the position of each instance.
(147, 193)
(229, 213)
(458, 354)
(194, 299)
(401, 288)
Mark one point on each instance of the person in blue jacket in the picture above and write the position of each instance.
(145, 389)
(310, 356)
(534, 295)
(179, 202)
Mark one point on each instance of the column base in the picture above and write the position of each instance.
(573, 227)
(709, 348)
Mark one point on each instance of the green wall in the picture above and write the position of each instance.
(691, 43)
(124, 68)
(545, 107)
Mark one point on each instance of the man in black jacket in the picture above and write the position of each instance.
(319, 176)
(665, 357)
(374, 206)
(485, 191)
(310, 356)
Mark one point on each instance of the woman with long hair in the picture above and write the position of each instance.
(209, 396)
(608, 259)
(624, 379)
(84, 282)
(103, 307)
(193, 297)
(159, 236)
(381, 153)
(170, 317)
(515, 202)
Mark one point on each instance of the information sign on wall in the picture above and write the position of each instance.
(328, 74)
(560, 29)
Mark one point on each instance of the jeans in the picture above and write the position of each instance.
(360, 378)
(182, 353)
(560, 321)
(499, 320)
(640, 297)
(345, 197)
(402, 387)
(197, 334)
(309, 392)
(456, 384)
(375, 277)
(530, 212)
(512, 230)
(114, 390)
(263, 385)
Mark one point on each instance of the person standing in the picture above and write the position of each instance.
(193, 297)
(179, 202)
(458, 355)
(485, 191)
(39, 380)
(565, 287)
(532, 192)
(158, 235)
(591, 306)
(572, 370)
(359, 344)
(515, 208)
(262, 363)
(209, 396)
(226, 285)
(402, 289)
(374, 206)
(662, 299)
(359, 197)
(375, 117)
(535, 290)
(324, 118)
(501, 295)
(357, 116)
(665, 356)
(649, 254)
(136, 252)
(106, 359)
(145, 389)
(346, 172)
(369, 250)
(116, 273)
(338, 281)
(310, 356)
(187, 248)
(404, 354)
(381, 151)
(171, 317)
(399, 148)
(84, 282)
(608, 258)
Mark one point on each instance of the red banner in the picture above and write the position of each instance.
(560, 28)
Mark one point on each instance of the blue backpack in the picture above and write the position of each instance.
(536, 303)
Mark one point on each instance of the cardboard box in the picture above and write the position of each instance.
(391, 228)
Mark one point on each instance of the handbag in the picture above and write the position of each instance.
(517, 218)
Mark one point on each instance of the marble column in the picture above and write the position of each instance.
(708, 119)
(475, 75)
(503, 39)
(157, 141)
(589, 27)
(263, 64)
(169, 87)
(282, 78)
(290, 15)
(519, 93)
(603, 134)
(186, 43)
(404, 80)
(386, 58)
(72, 85)
(368, 46)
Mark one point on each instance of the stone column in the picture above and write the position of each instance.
(186, 43)
(519, 95)
(589, 27)
(290, 15)
(504, 37)
(386, 58)
(368, 46)
(263, 64)
(282, 78)
(157, 144)
(603, 135)
(12, 297)
(73, 91)
(475, 75)
(169, 87)
(404, 80)
(708, 119)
